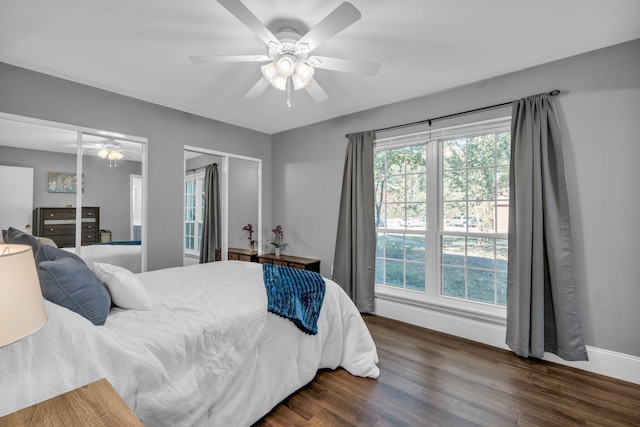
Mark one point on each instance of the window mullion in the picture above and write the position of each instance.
(432, 253)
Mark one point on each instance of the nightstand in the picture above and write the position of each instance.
(291, 261)
(235, 254)
(95, 404)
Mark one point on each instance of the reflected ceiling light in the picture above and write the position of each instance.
(111, 151)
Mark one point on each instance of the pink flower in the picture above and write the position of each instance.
(249, 229)
(278, 238)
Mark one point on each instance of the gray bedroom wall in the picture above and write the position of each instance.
(599, 113)
(32, 94)
(105, 187)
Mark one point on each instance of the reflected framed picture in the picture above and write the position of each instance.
(63, 182)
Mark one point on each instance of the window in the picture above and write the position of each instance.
(193, 213)
(442, 207)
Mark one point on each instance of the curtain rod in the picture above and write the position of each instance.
(554, 92)
(197, 169)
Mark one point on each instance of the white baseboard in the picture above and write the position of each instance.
(605, 362)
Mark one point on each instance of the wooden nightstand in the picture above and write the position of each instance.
(95, 404)
(235, 254)
(291, 261)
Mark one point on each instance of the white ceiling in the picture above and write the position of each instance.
(32, 136)
(140, 48)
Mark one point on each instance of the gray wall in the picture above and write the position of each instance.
(599, 113)
(105, 187)
(32, 94)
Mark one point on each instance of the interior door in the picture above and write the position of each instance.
(16, 197)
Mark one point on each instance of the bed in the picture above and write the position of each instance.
(207, 353)
(123, 254)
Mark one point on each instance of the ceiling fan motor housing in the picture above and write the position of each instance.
(288, 38)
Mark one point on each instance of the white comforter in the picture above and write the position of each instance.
(207, 354)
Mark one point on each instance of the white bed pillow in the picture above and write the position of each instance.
(126, 289)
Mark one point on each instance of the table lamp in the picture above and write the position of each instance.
(21, 306)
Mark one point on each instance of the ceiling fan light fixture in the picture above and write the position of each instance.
(280, 82)
(269, 71)
(103, 153)
(298, 82)
(286, 65)
(115, 155)
(304, 71)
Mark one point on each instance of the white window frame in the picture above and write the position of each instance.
(432, 296)
(198, 223)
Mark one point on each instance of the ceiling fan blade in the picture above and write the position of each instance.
(344, 65)
(258, 88)
(228, 58)
(240, 11)
(317, 93)
(343, 16)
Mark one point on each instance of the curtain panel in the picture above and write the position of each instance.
(354, 262)
(542, 309)
(211, 217)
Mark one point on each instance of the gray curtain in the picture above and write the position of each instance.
(542, 310)
(211, 219)
(354, 263)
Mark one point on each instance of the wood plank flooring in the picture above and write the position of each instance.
(433, 379)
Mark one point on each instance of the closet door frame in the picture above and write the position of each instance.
(224, 193)
(80, 131)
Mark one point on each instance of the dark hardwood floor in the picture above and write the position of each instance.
(433, 379)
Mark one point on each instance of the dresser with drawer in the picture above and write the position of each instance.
(59, 225)
(291, 261)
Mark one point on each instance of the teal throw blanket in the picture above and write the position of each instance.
(294, 294)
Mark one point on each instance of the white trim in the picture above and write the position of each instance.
(491, 330)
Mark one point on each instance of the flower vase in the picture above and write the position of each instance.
(277, 251)
(252, 246)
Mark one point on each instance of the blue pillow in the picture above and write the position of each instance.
(71, 284)
(51, 253)
(16, 236)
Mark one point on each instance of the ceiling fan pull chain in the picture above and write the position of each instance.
(289, 93)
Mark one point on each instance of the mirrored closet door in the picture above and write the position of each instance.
(110, 192)
(235, 202)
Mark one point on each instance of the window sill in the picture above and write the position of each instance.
(493, 315)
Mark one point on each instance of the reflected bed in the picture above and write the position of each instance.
(122, 254)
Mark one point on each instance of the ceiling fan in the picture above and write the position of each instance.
(108, 148)
(289, 62)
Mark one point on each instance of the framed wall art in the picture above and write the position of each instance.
(63, 182)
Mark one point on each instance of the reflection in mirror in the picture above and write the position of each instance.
(194, 201)
(243, 201)
(240, 205)
(50, 153)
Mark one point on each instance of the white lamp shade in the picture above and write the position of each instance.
(286, 66)
(269, 71)
(21, 307)
(304, 71)
(298, 83)
(115, 155)
(280, 82)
